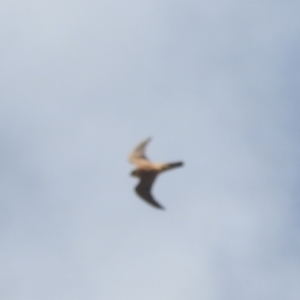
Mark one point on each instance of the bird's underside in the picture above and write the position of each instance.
(147, 171)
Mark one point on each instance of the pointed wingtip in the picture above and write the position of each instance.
(159, 207)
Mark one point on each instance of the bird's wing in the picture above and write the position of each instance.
(138, 157)
(143, 189)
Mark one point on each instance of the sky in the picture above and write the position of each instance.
(215, 84)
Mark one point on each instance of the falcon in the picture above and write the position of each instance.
(147, 172)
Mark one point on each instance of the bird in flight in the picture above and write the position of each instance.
(147, 171)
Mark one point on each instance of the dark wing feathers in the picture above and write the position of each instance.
(143, 189)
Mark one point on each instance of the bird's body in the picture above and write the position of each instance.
(147, 172)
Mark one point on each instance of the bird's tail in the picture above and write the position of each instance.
(172, 165)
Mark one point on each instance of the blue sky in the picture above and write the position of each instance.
(215, 83)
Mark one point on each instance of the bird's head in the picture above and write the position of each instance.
(134, 173)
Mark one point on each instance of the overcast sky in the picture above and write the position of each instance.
(215, 83)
